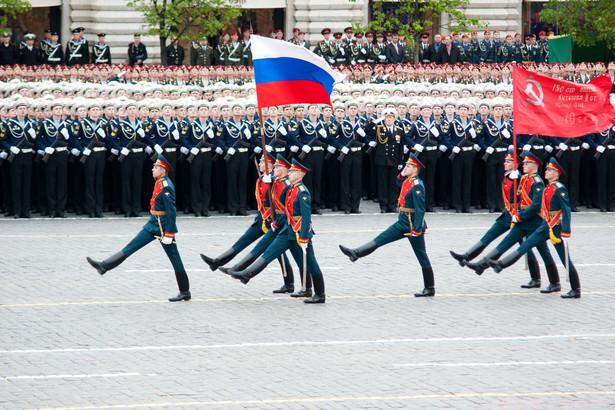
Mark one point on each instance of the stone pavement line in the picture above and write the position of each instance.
(515, 363)
(69, 376)
(342, 399)
(584, 336)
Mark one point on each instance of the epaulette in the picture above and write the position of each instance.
(415, 182)
(302, 188)
(398, 127)
(287, 182)
(165, 184)
(537, 179)
(558, 185)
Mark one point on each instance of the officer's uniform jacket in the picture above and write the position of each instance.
(354, 53)
(555, 209)
(101, 54)
(411, 204)
(389, 145)
(323, 49)
(77, 53)
(279, 190)
(12, 133)
(52, 54)
(379, 53)
(299, 213)
(338, 53)
(528, 55)
(529, 191)
(201, 55)
(543, 51)
(162, 209)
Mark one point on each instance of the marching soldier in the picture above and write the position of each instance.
(76, 50)
(101, 53)
(137, 52)
(51, 52)
(234, 51)
(28, 53)
(323, 48)
(201, 53)
(410, 223)
(161, 226)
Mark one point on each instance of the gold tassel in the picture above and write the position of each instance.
(554, 239)
(264, 227)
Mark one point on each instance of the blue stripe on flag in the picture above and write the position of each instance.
(267, 70)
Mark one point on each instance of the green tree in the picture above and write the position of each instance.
(195, 19)
(588, 22)
(12, 8)
(419, 13)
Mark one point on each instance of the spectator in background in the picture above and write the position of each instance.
(137, 52)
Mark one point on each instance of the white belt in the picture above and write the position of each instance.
(170, 149)
(467, 148)
(74, 55)
(54, 59)
(279, 149)
(316, 148)
(538, 146)
(98, 149)
(610, 146)
(355, 149)
(574, 148)
(205, 149)
(26, 150)
(60, 149)
(137, 149)
(233, 59)
(502, 149)
(242, 150)
(430, 148)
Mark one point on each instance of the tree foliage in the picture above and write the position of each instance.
(419, 15)
(194, 19)
(588, 22)
(12, 8)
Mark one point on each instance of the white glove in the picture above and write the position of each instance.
(75, 152)
(87, 151)
(442, 148)
(403, 172)
(210, 133)
(125, 151)
(378, 120)
(306, 148)
(472, 132)
(175, 134)
(322, 133)
(513, 174)
(247, 133)
(258, 150)
(331, 149)
(419, 147)
(148, 150)
(406, 150)
(101, 132)
(294, 148)
(505, 133)
(476, 147)
(548, 148)
(456, 150)
(585, 145)
(372, 144)
(345, 150)
(158, 149)
(563, 146)
(219, 151)
(3, 155)
(343, 51)
(364, 51)
(303, 247)
(266, 178)
(64, 132)
(527, 147)
(331, 61)
(194, 151)
(15, 150)
(489, 150)
(49, 150)
(515, 219)
(269, 148)
(166, 240)
(32, 133)
(361, 132)
(114, 151)
(141, 132)
(40, 152)
(184, 150)
(434, 131)
(600, 149)
(231, 151)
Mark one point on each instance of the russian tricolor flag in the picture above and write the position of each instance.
(289, 74)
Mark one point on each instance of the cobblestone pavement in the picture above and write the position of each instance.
(72, 339)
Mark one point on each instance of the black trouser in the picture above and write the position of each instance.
(200, 182)
(571, 162)
(332, 182)
(131, 174)
(494, 173)
(237, 172)
(443, 186)
(605, 180)
(350, 180)
(387, 187)
(21, 183)
(93, 172)
(313, 179)
(587, 178)
(7, 202)
(39, 186)
(219, 184)
(461, 168)
(183, 169)
(56, 176)
(478, 198)
(428, 174)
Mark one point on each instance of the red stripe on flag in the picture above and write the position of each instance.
(291, 92)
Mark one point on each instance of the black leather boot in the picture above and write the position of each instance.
(508, 260)
(470, 254)
(480, 266)
(426, 293)
(108, 264)
(181, 296)
(319, 290)
(251, 271)
(532, 284)
(573, 294)
(428, 282)
(285, 289)
(554, 285)
(359, 252)
(239, 266)
(215, 263)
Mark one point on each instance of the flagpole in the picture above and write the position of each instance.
(516, 169)
(269, 193)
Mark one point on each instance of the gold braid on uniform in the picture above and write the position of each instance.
(380, 140)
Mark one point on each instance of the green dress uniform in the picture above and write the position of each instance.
(234, 54)
(201, 54)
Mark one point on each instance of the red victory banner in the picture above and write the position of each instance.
(557, 108)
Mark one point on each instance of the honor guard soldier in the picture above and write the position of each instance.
(485, 48)
(76, 50)
(234, 51)
(507, 52)
(354, 52)
(362, 50)
(386, 138)
(295, 236)
(556, 217)
(379, 50)
(247, 49)
(28, 53)
(410, 223)
(570, 152)
(369, 44)
(52, 52)
(129, 136)
(137, 52)
(163, 134)
(101, 53)
(349, 32)
(201, 53)
(529, 53)
(161, 226)
(338, 50)
(543, 47)
(17, 136)
(323, 48)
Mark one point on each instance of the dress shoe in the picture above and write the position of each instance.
(45, 213)
(98, 215)
(602, 209)
(347, 212)
(197, 214)
(467, 211)
(302, 294)
(573, 294)
(610, 209)
(426, 292)
(334, 208)
(285, 289)
(242, 212)
(574, 209)
(232, 213)
(181, 296)
(59, 215)
(553, 287)
(383, 211)
(355, 211)
(135, 214)
(491, 210)
(315, 299)
(186, 211)
(532, 284)
(205, 213)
